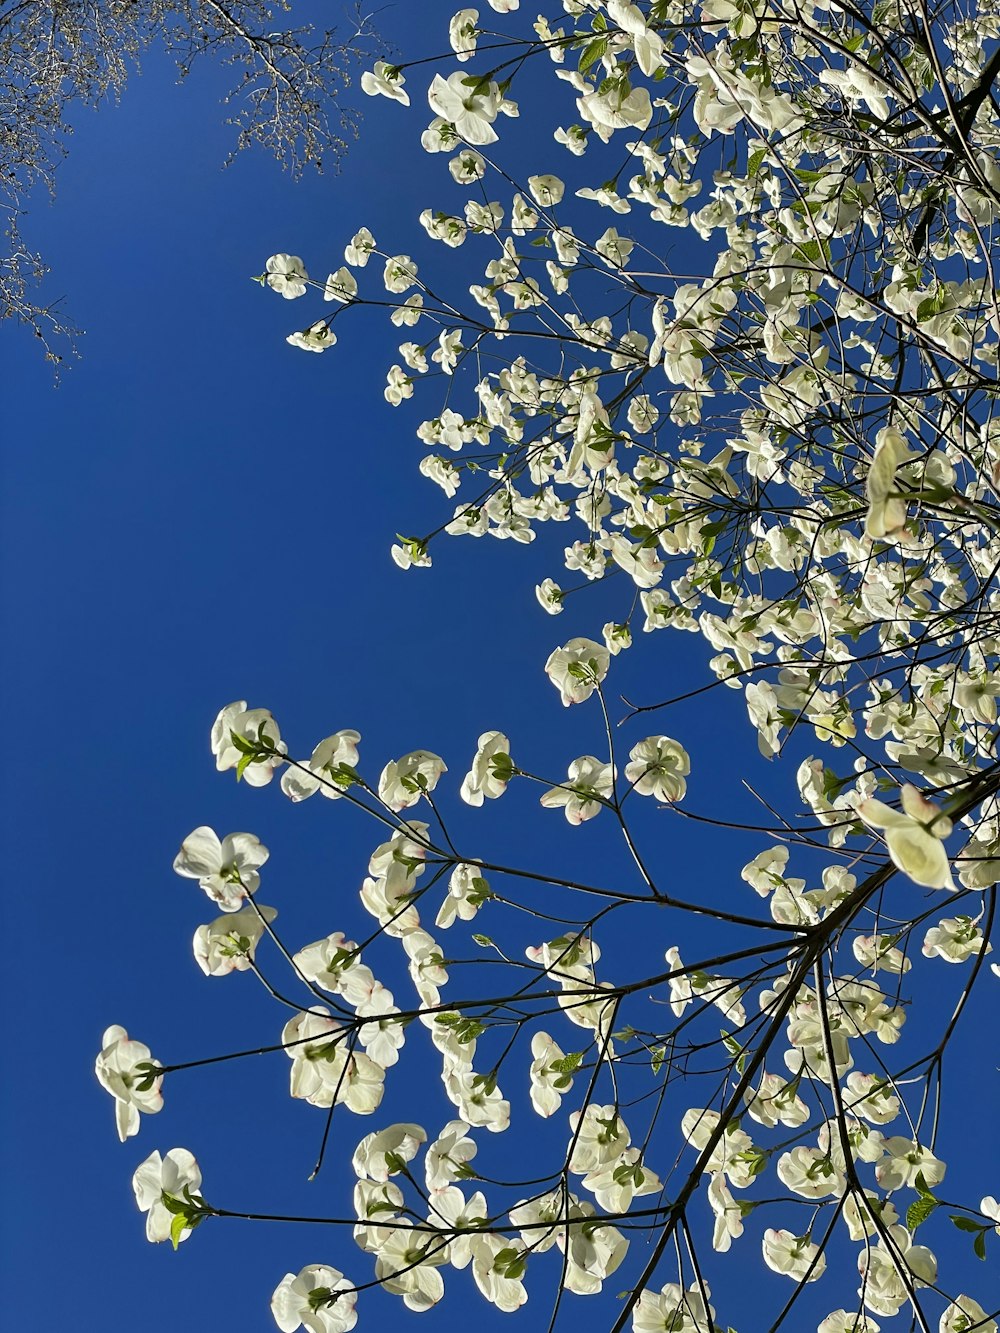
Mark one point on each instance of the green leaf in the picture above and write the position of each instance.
(966, 1223)
(979, 1245)
(567, 1064)
(922, 1188)
(754, 161)
(920, 1210)
(483, 940)
(592, 52)
(243, 765)
(178, 1225)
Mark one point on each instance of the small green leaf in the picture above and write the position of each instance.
(920, 1210)
(178, 1225)
(591, 53)
(754, 161)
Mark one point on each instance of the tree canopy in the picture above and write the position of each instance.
(58, 55)
(712, 285)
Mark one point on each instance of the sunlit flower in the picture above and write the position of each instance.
(134, 1089)
(174, 1175)
(913, 837)
(286, 275)
(385, 80)
(226, 869)
(319, 1299)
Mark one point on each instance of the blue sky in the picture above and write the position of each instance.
(198, 514)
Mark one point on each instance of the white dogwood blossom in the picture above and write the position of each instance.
(161, 1181)
(914, 837)
(126, 1069)
(225, 868)
(317, 1298)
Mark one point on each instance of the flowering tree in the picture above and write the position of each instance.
(785, 444)
(288, 86)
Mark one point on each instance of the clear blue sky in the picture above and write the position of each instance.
(198, 514)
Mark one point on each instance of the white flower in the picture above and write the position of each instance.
(795, 1256)
(227, 944)
(879, 953)
(325, 771)
(776, 1100)
(405, 780)
(399, 274)
(174, 1174)
(340, 286)
(286, 275)
(546, 190)
(316, 338)
(589, 786)
(577, 669)
(360, 248)
(462, 33)
(990, 1208)
(840, 1321)
(134, 1089)
(323, 1069)
(673, 1308)
(311, 1299)
(810, 1173)
(618, 107)
(548, 1073)
(903, 1162)
(447, 1155)
(872, 1098)
(480, 1102)
(226, 870)
(600, 1137)
(963, 1314)
(407, 1266)
(491, 1264)
(882, 1288)
(491, 769)
(728, 1214)
(239, 734)
(955, 939)
(379, 1156)
(468, 104)
(658, 768)
(550, 596)
(913, 837)
(385, 81)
